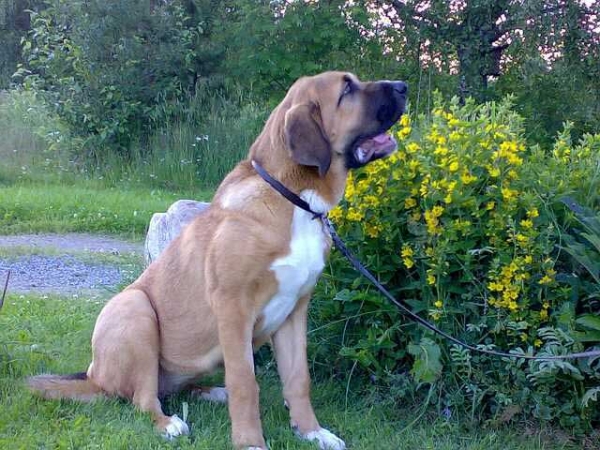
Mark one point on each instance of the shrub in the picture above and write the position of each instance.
(105, 65)
(463, 223)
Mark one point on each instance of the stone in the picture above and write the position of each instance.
(164, 227)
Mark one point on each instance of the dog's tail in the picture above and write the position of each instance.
(76, 386)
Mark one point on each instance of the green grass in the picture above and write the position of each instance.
(84, 206)
(52, 335)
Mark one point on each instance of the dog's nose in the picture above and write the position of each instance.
(400, 86)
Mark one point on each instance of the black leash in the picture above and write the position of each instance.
(404, 307)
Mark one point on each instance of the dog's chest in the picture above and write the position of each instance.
(298, 271)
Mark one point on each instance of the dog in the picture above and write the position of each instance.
(242, 273)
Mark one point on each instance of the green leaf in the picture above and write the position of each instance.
(591, 321)
(590, 395)
(427, 366)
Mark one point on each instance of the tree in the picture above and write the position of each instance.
(485, 37)
(15, 23)
(272, 43)
(108, 64)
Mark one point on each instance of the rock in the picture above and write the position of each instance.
(164, 227)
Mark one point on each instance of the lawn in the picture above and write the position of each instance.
(85, 206)
(52, 335)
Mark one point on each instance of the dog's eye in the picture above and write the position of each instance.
(347, 88)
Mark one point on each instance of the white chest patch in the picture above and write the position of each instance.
(298, 271)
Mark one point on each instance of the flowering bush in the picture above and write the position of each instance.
(463, 223)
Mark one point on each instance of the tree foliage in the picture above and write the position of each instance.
(112, 67)
(107, 65)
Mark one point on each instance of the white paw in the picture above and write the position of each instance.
(216, 394)
(325, 438)
(254, 448)
(176, 427)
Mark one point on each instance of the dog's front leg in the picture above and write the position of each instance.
(235, 335)
(289, 342)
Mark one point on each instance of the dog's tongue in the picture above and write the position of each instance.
(377, 147)
(382, 138)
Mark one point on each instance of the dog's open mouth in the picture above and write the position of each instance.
(374, 148)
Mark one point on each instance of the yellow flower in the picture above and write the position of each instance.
(354, 215)
(362, 186)
(435, 315)
(438, 304)
(453, 166)
(432, 221)
(509, 194)
(467, 178)
(490, 205)
(438, 210)
(493, 171)
(408, 262)
(336, 213)
(405, 120)
(403, 132)
(533, 213)
(371, 201)
(413, 147)
(544, 314)
(495, 287)
(431, 279)
(528, 259)
(407, 251)
(373, 230)
(410, 203)
(545, 280)
(537, 343)
(521, 239)
(527, 224)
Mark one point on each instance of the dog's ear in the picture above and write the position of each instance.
(305, 139)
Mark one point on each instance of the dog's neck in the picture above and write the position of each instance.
(270, 150)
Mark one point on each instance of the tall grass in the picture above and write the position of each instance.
(193, 144)
(204, 140)
(34, 144)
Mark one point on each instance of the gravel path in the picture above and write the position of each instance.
(71, 242)
(69, 266)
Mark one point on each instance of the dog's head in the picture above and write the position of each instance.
(335, 115)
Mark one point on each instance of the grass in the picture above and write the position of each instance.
(30, 207)
(52, 335)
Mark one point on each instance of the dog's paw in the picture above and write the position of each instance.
(175, 427)
(325, 439)
(214, 394)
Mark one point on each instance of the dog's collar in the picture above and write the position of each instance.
(289, 195)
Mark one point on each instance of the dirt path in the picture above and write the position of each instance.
(74, 264)
(71, 242)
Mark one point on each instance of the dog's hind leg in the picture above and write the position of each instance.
(126, 346)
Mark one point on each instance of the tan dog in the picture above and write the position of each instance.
(242, 273)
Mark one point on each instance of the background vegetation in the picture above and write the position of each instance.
(486, 221)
